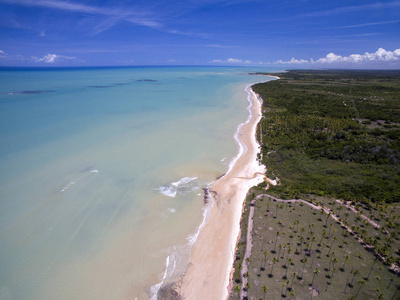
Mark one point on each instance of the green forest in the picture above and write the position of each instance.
(333, 133)
(330, 228)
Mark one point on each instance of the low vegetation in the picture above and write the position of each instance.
(332, 140)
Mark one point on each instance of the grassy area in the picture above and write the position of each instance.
(299, 252)
(333, 139)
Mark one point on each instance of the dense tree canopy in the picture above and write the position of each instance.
(333, 133)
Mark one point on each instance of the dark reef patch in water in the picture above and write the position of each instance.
(147, 80)
(168, 292)
(100, 86)
(30, 92)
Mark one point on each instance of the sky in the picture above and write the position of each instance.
(270, 33)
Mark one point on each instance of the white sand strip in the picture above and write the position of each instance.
(212, 256)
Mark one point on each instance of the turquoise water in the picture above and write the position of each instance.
(102, 171)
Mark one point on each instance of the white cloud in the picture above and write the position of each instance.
(354, 8)
(380, 56)
(2, 52)
(292, 61)
(52, 58)
(368, 24)
(330, 58)
(49, 58)
(138, 16)
(232, 61)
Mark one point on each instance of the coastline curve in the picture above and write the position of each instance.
(211, 260)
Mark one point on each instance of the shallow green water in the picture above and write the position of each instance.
(102, 173)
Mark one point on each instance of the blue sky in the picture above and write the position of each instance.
(275, 33)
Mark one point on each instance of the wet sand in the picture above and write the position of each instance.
(212, 256)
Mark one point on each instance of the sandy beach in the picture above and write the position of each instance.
(212, 256)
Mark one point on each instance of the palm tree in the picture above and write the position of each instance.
(247, 286)
(276, 240)
(339, 209)
(321, 212)
(236, 289)
(296, 222)
(287, 268)
(265, 258)
(346, 285)
(283, 284)
(305, 260)
(344, 241)
(302, 229)
(264, 289)
(288, 254)
(394, 295)
(312, 262)
(370, 270)
(284, 248)
(280, 248)
(301, 239)
(322, 248)
(334, 261)
(346, 259)
(306, 250)
(330, 248)
(327, 218)
(330, 230)
(322, 236)
(274, 261)
(347, 246)
(379, 291)
(362, 283)
(390, 282)
(355, 273)
(309, 230)
(316, 271)
(312, 241)
(330, 261)
(294, 274)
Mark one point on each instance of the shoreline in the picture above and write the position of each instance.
(216, 242)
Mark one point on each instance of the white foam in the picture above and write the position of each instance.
(172, 189)
(171, 210)
(170, 266)
(67, 186)
(242, 147)
(186, 180)
(193, 237)
(94, 171)
(155, 288)
(167, 191)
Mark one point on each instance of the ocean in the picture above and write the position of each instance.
(103, 172)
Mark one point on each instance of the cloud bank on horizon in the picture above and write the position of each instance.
(380, 56)
(159, 32)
